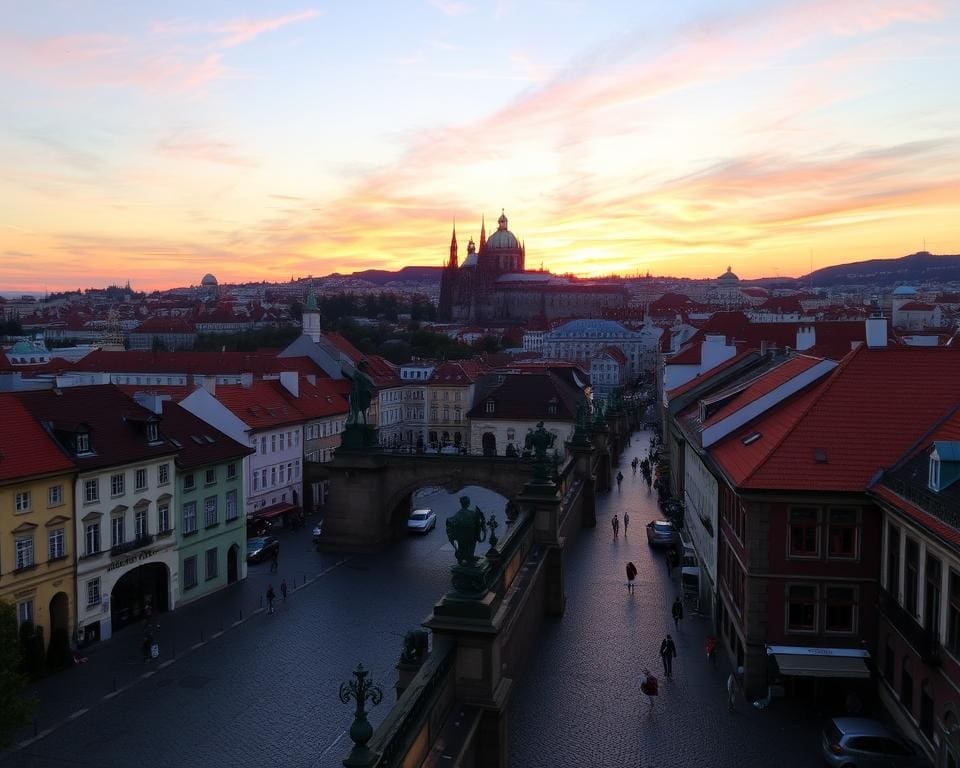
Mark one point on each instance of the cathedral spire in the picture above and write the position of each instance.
(483, 233)
(453, 246)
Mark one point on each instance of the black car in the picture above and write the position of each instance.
(262, 548)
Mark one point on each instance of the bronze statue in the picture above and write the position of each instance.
(465, 529)
(361, 393)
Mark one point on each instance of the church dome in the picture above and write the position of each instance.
(503, 238)
(209, 280)
(728, 277)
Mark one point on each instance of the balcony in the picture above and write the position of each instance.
(129, 546)
(923, 641)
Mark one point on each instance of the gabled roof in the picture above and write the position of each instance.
(117, 424)
(344, 347)
(707, 375)
(528, 397)
(26, 450)
(198, 444)
(868, 411)
(320, 400)
(452, 374)
(262, 405)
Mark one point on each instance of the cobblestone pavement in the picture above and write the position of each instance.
(263, 693)
(579, 702)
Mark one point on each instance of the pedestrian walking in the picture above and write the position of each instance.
(283, 589)
(616, 526)
(677, 612)
(270, 596)
(668, 652)
(733, 683)
(626, 522)
(619, 479)
(631, 575)
(710, 646)
(649, 685)
(274, 561)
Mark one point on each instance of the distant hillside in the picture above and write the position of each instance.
(919, 267)
(405, 275)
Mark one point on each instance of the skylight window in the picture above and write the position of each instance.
(820, 455)
(751, 438)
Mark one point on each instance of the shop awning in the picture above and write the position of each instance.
(274, 510)
(820, 662)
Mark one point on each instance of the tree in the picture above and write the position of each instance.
(14, 710)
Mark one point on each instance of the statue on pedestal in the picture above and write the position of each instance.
(465, 529)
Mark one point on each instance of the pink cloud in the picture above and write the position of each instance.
(242, 31)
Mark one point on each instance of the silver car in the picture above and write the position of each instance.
(662, 533)
(856, 742)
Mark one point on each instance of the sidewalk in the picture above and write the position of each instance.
(115, 664)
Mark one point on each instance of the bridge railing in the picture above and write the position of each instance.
(419, 714)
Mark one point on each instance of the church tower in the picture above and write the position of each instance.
(483, 234)
(311, 317)
(453, 264)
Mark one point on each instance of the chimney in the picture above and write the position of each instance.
(246, 380)
(806, 337)
(291, 382)
(876, 331)
(312, 378)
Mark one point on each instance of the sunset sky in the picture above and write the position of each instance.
(158, 141)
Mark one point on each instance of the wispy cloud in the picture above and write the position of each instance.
(452, 7)
(240, 31)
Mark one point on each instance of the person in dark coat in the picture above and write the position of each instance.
(271, 595)
(631, 575)
(668, 651)
(677, 611)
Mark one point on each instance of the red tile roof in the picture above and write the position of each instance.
(200, 443)
(344, 346)
(200, 363)
(261, 406)
(917, 306)
(26, 450)
(706, 375)
(320, 400)
(762, 385)
(876, 404)
(946, 532)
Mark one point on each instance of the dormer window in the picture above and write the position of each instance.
(934, 473)
(83, 442)
(153, 432)
(552, 406)
(491, 406)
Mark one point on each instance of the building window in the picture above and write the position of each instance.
(842, 534)
(893, 562)
(54, 495)
(801, 608)
(91, 491)
(273, 443)
(190, 517)
(56, 546)
(281, 441)
(24, 552)
(804, 531)
(25, 611)
(140, 523)
(153, 433)
(189, 482)
(22, 503)
(931, 595)
(117, 485)
(93, 592)
(911, 579)
(163, 474)
(906, 685)
(841, 609)
(231, 471)
(163, 517)
(210, 477)
(263, 445)
(93, 538)
(289, 471)
(211, 558)
(116, 531)
(232, 508)
(256, 481)
(140, 479)
(83, 442)
(491, 406)
(210, 512)
(273, 476)
(189, 572)
(934, 478)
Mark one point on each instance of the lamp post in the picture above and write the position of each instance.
(360, 690)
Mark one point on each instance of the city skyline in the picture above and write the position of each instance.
(259, 143)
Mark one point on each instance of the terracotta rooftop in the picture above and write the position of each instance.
(26, 450)
(261, 406)
(198, 443)
(529, 397)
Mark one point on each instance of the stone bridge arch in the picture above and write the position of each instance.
(367, 488)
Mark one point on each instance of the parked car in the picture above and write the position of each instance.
(422, 521)
(662, 533)
(262, 548)
(857, 742)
